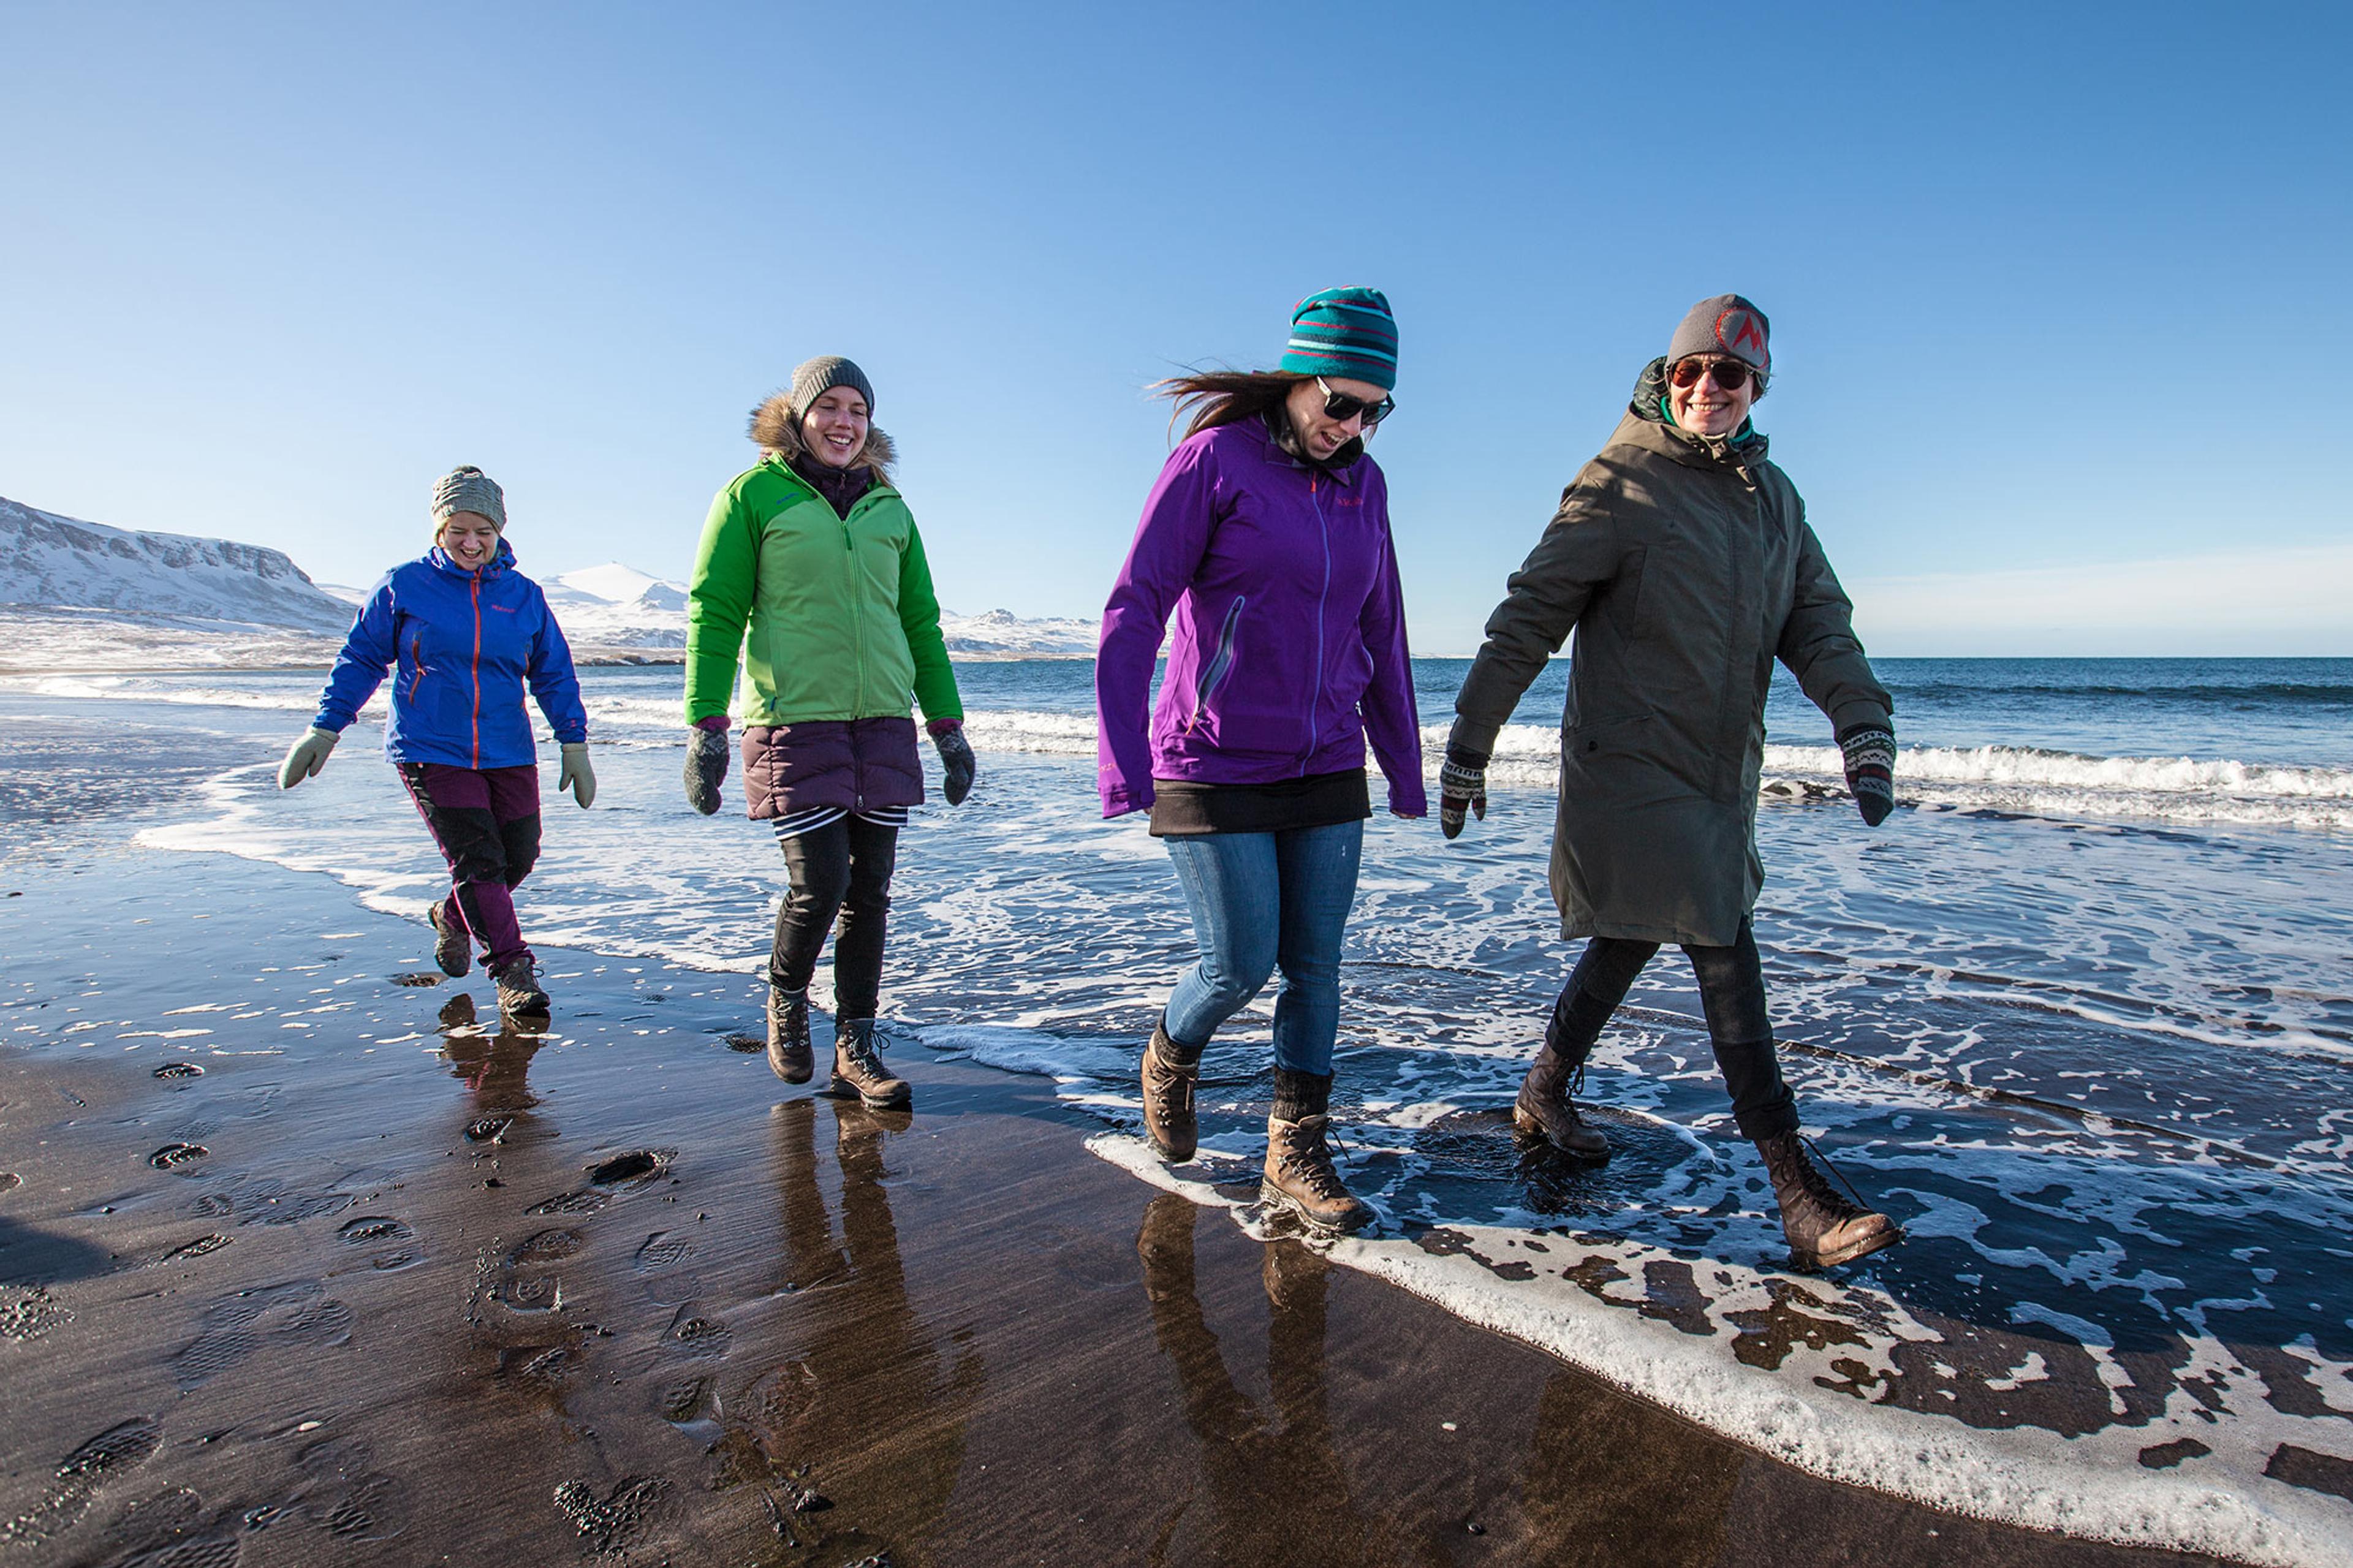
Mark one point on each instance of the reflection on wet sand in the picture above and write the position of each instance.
(1276, 1487)
(857, 1440)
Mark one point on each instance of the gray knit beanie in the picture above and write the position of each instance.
(1726, 324)
(468, 488)
(815, 377)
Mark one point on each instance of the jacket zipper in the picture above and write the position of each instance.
(417, 658)
(1218, 663)
(475, 588)
(1315, 703)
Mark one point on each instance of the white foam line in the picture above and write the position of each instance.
(2022, 1476)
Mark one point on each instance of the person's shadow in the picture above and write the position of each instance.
(1269, 1471)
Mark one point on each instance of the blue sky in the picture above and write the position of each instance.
(2059, 293)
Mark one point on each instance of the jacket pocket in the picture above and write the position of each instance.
(1612, 735)
(1221, 663)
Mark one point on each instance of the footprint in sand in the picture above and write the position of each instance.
(661, 1260)
(179, 1069)
(28, 1312)
(298, 1313)
(608, 1521)
(625, 1172)
(348, 1496)
(416, 977)
(171, 1157)
(381, 1230)
(79, 1478)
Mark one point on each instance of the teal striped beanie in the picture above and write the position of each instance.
(1345, 332)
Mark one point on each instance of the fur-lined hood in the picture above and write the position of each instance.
(777, 430)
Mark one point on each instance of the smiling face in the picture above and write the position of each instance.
(834, 428)
(1704, 408)
(1319, 434)
(469, 538)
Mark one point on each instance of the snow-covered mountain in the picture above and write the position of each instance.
(66, 563)
(78, 595)
(619, 606)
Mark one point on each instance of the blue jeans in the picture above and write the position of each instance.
(1262, 902)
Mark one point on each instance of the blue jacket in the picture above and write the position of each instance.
(466, 643)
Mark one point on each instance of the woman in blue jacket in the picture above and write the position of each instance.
(466, 632)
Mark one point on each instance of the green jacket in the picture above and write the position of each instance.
(1685, 568)
(834, 617)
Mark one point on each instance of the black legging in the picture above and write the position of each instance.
(844, 868)
(1732, 992)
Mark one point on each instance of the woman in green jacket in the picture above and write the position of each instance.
(811, 572)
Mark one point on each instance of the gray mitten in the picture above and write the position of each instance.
(706, 767)
(306, 756)
(957, 764)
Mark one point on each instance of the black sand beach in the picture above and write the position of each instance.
(303, 1259)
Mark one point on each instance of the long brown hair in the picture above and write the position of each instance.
(1215, 398)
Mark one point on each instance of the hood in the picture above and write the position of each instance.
(777, 430)
(1747, 447)
(502, 560)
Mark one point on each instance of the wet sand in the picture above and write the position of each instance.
(385, 1283)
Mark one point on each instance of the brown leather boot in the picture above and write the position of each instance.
(1544, 1110)
(453, 950)
(858, 1071)
(1300, 1177)
(1823, 1227)
(789, 1056)
(1170, 1074)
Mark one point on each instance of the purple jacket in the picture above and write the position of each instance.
(1289, 643)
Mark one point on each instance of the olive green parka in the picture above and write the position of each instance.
(1685, 568)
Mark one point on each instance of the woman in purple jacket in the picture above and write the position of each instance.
(1268, 537)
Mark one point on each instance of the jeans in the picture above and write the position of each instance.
(842, 869)
(1732, 994)
(1262, 902)
(486, 823)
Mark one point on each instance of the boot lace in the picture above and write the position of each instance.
(857, 1051)
(1309, 1162)
(1814, 1184)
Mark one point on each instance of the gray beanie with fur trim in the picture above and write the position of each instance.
(815, 377)
(468, 488)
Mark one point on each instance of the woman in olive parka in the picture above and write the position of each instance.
(1682, 559)
(810, 570)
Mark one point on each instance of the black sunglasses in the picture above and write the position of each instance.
(1340, 406)
(1728, 373)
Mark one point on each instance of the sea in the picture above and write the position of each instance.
(2079, 1015)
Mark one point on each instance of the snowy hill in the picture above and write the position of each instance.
(82, 595)
(1002, 634)
(63, 563)
(615, 606)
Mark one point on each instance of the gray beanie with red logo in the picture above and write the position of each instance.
(1726, 324)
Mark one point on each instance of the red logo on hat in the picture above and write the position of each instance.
(1741, 334)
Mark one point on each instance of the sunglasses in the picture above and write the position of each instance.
(1728, 373)
(1340, 406)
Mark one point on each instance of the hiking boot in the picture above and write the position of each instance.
(858, 1071)
(1545, 1111)
(1170, 1072)
(1823, 1227)
(1300, 1177)
(453, 948)
(519, 988)
(789, 1056)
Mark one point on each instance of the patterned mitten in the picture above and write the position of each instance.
(1870, 751)
(1462, 787)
